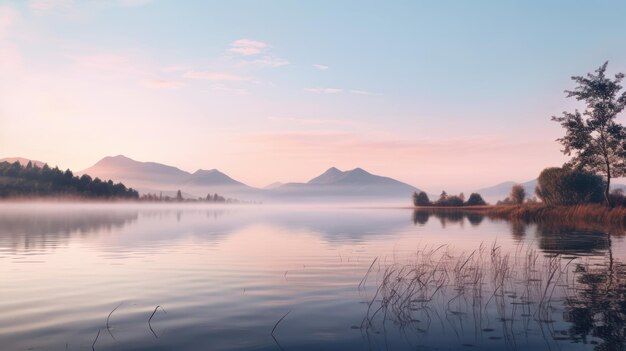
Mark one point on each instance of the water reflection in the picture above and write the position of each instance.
(226, 275)
(598, 308)
(37, 230)
(555, 238)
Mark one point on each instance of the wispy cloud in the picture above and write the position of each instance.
(271, 61)
(247, 47)
(215, 76)
(364, 92)
(324, 90)
(320, 67)
(338, 91)
(162, 84)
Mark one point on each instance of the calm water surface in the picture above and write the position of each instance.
(78, 277)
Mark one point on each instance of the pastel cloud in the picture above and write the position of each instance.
(364, 92)
(162, 84)
(271, 61)
(320, 67)
(247, 47)
(215, 76)
(324, 90)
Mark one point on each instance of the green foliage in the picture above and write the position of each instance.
(596, 139)
(566, 187)
(475, 199)
(421, 199)
(32, 181)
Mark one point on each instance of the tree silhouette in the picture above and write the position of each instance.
(597, 140)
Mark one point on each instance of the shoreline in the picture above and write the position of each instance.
(598, 215)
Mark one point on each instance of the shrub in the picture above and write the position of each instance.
(617, 198)
(421, 199)
(475, 200)
(567, 187)
(518, 194)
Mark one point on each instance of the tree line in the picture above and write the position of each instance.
(213, 198)
(30, 181)
(421, 199)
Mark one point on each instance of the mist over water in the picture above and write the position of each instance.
(81, 275)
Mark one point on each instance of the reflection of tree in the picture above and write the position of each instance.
(569, 239)
(518, 229)
(598, 308)
(474, 218)
(27, 230)
(420, 217)
(447, 216)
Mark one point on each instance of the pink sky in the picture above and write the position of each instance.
(257, 107)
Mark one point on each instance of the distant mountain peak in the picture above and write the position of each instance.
(358, 170)
(207, 171)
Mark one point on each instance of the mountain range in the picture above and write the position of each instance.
(333, 184)
(151, 177)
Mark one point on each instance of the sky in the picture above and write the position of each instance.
(453, 95)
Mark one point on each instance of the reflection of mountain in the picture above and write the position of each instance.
(343, 224)
(32, 229)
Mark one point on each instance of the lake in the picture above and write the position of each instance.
(188, 277)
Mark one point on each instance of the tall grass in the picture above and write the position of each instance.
(441, 285)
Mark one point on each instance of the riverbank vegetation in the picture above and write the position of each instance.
(580, 190)
(31, 181)
(421, 199)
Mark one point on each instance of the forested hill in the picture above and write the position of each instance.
(31, 181)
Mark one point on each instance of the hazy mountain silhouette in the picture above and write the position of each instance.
(211, 177)
(357, 182)
(22, 161)
(152, 177)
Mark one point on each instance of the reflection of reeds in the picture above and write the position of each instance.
(440, 283)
